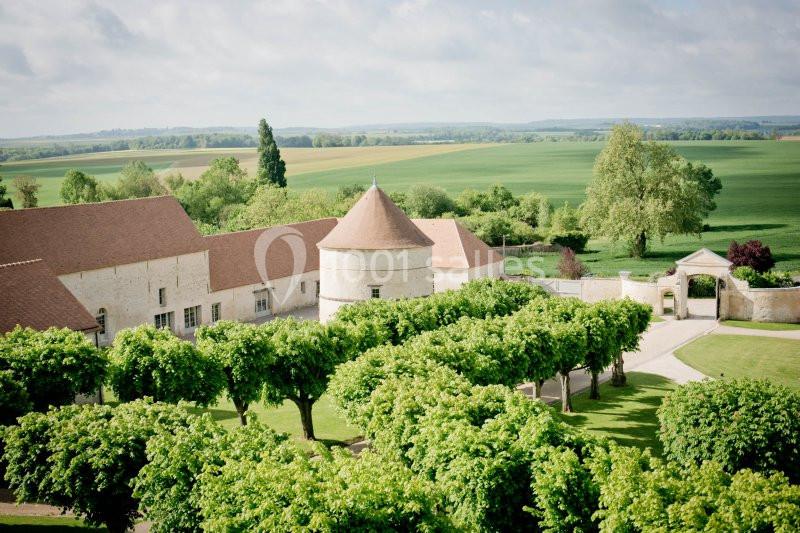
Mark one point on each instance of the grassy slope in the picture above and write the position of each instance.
(191, 163)
(625, 414)
(761, 184)
(745, 356)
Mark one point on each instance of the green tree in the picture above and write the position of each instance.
(642, 190)
(245, 353)
(426, 201)
(642, 493)
(137, 180)
(218, 190)
(146, 361)
(271, 206)
(14, 400)
(741, 423)
(78, 188)
(84, 458)
(52, 366)
(27, 190)
(5, 203)
(168, 486)
(306, 354)
(564, 219)
(527, 209)
(271, 168)
(631, 320)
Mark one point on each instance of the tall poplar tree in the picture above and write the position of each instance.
(271, 168)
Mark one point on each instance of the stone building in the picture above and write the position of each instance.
(103, 267)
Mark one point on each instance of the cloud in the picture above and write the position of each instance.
(13, 61)
(85, 66)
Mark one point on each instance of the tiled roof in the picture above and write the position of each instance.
(375, 223)
(31, 295)
(454, 245)
(76, 238)
(232, 255)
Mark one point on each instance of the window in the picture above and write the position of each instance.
(162, 296)
(262, 301)
(163, 320)
(216, 312)
(375, 292)
(101, 320)
(191, 317)
(303, 287)
(316, 290)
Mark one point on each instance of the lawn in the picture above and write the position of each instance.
(44, 524)
(624, 414)
(738, 356)
(329, 425)
(766, 326)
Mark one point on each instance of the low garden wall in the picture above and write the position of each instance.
(761, 305)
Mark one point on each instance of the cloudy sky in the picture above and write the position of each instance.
(77, 66)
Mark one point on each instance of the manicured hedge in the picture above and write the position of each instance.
(739, 423)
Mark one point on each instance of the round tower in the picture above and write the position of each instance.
(375, 251)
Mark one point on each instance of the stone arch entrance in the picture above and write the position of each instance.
(703, 261)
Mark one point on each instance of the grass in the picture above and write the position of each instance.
(766, 326)
(761, 182)
(329, 426)
(106, 166)
(625, 414)
(44, 524)
(738, 356)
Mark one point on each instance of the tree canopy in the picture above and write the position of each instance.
(218, 191)
(137, 180)
(51, 366)
(78, 187)
(146, 361)
(244, 353)
(271, 168)
(644, 190)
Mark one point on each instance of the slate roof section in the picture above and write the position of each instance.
(76, 238)
(32, 296)
(375, 223)
(232, 255)
(454, 245)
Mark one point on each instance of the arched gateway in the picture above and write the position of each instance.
(703, 261)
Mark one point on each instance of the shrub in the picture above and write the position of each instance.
(85, 457)
(146, 361)
(569, 266)
(566, 218)
(14, 400)
(740, 423)
(702, 286)
(426, 201)
(52, 366)
(492, 226)
(767, 280)
(752, 254)
(570, 239)
(640, 493)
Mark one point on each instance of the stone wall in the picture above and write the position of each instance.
(740, 302)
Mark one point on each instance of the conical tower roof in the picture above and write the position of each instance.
(375, 223)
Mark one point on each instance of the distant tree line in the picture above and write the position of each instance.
(704, 135)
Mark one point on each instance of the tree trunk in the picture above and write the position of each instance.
(566, 395)
(639, 245)
(618, 378)
(305, 405)
(117, 524)
(594, 391)
(537, 388)
(241, 409)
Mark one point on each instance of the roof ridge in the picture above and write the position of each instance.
(19, 263)
(60, 206)
(243, 231)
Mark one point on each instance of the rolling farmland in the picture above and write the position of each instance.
(761, 183)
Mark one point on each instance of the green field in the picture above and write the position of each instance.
(739, 356)
(626, 414)
(761, 184)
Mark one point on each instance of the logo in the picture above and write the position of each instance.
(297, 251)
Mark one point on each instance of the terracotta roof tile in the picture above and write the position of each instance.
(231, 255)
(76, 238)
(454, 245)
(375, 223)
(31, 295)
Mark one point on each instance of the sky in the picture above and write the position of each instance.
(80, 66)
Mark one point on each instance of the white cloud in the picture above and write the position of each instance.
(67, 67)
